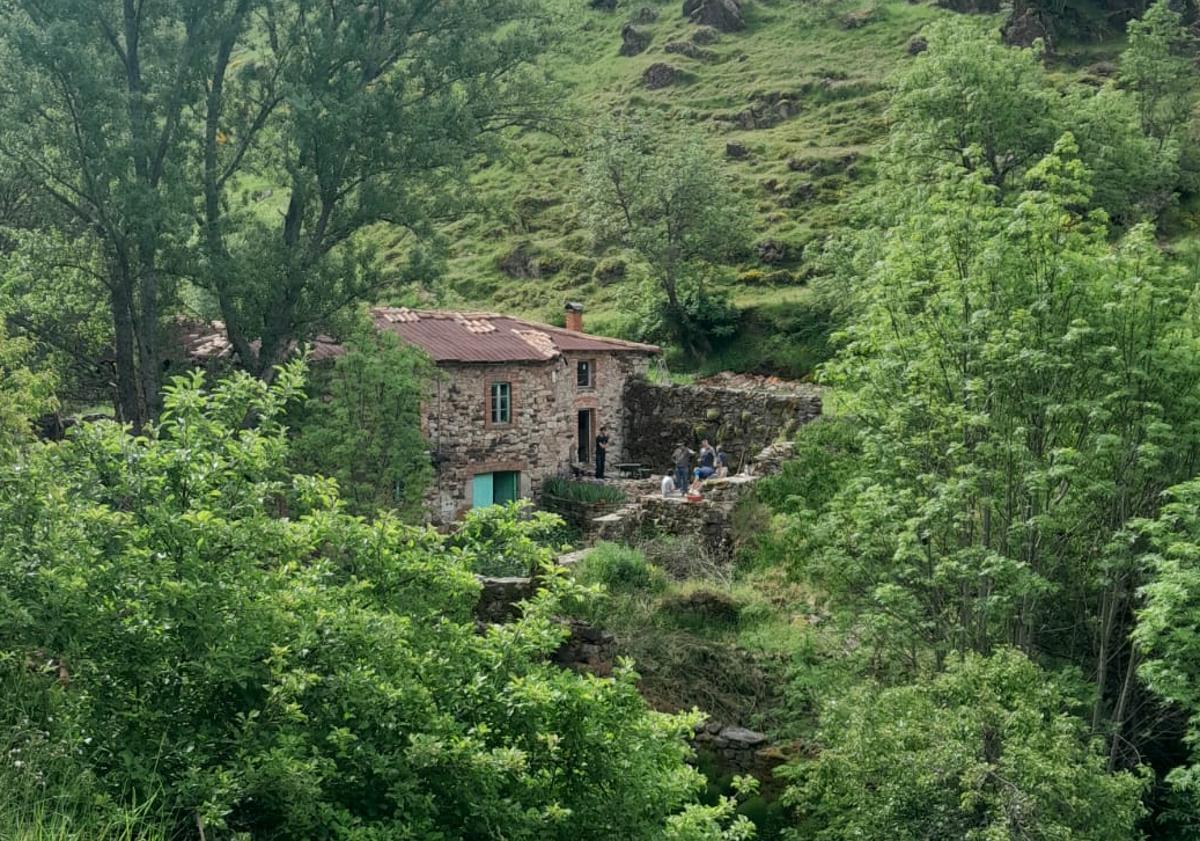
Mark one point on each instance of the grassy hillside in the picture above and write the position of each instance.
(801, 89)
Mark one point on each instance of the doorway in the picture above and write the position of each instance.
(587, 426)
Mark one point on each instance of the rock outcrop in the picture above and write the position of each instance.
(633, 40)
(722, 15)
(659, 75)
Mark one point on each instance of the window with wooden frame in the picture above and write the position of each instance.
(585, 374)
(499, 403)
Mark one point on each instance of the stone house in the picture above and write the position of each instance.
(514, 401)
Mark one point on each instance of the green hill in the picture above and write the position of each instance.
(795, 102)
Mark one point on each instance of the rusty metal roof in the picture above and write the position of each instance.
(488, 337)
(202, 342)
(445, 336)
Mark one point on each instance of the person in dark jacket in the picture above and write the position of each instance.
(682, 459)
(601, 451)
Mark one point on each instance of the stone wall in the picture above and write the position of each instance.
(710, 519)
(540, 441)
(499, 597)
(739, 750)
(744, 421)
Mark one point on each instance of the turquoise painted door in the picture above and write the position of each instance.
(504, 486)
(481, 490)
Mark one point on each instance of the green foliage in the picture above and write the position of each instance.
(665, 198)
(1167, 633)
(973, 103)
(308, 675)
(23, 394)
(1158, 68)
(586, 492)
(153, 128)
(363, 426)
(509, 539)
(620, 568)
(986, 751)
(51, 296)
(1022, 390)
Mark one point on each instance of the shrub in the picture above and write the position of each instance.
(585, 492)
(509, 539)
(314, 675)
(620, 568)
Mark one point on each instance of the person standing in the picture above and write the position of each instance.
(682, 459)
(601, 451)
(708, 460)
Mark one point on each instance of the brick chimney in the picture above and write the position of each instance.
(574, 313)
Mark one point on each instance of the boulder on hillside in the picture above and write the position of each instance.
(723, 15)
(917, 45)
(737, 151)
(659, 75)
(644, 15)
(1024, 26)
(603, 5)
(771, 251)
(633, 40)
(705, 35)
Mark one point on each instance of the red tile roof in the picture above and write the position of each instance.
(487, 337)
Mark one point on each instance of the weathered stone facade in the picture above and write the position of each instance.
(542, 438)
(743, 421)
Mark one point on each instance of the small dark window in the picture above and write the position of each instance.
(584, 374)
(501, 403)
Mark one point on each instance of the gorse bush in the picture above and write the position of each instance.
(314, 675)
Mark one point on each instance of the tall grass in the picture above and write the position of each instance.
(585, 492)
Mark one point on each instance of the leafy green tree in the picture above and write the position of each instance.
(987, 751)
(1158, 68)
(973, 103)
(1023, 390)
(361, 114)
(666, 199)
(149, 122)
(181, 616)
(1167, 633)
(362, 427)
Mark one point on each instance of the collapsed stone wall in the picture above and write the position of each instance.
(743, 420)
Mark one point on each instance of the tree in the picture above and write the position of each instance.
(1166, 629)
(166, 630)
(973, 103)
(147, 120)
(362, 114)
(363, 426)
(987, 751)
(1157, 69)
(1024, 390)
(666, 199)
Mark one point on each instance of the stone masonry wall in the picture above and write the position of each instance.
(540, 441)
(744, 421)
